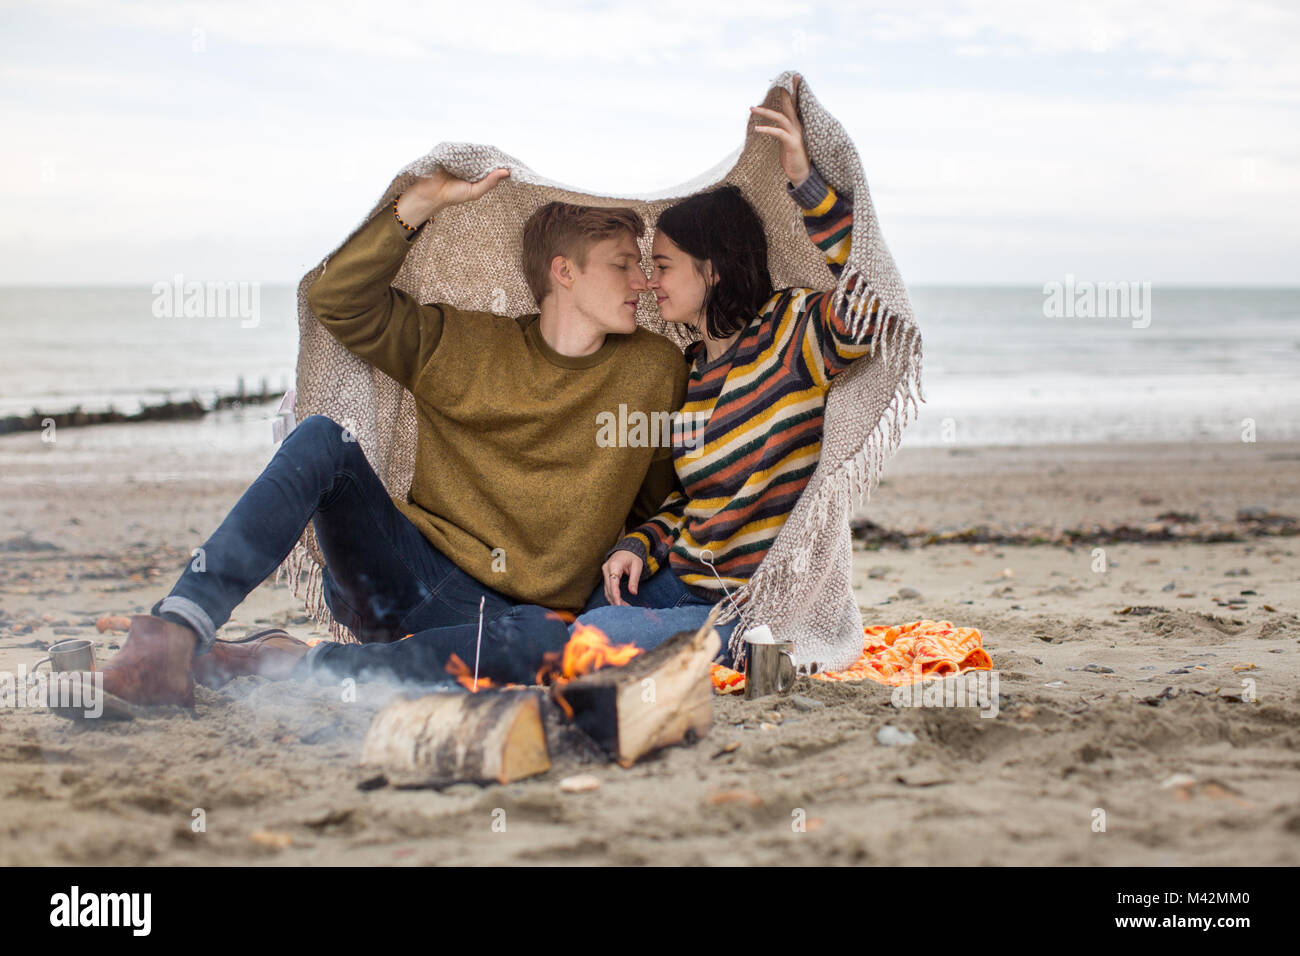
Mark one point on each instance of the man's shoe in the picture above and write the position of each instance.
(272, 654)
(152, 668)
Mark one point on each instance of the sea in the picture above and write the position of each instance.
(1002, 365)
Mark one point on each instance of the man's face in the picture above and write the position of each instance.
(606, 291)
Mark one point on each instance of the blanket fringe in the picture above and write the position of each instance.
(312, 592)
(898, 347)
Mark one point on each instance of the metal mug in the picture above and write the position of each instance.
(769, 664)
(77, 654)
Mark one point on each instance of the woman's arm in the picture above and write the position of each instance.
(644, 548)
(822, 328)
(652, 540)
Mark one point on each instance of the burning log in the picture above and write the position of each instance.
(657, 698)
(453, 738)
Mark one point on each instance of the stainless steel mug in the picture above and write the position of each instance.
(769, 664)
(77, 654)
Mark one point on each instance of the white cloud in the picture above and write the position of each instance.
(1106, 132)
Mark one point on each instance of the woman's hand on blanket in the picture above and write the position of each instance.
(431, 194)
(619, 564)
(785, 127)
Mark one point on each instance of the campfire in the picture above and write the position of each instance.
(588, 651)
(465, 676)
(628, 701)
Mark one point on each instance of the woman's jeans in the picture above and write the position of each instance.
(662, 606)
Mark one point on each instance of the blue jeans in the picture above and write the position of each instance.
(515, 641)
(383, 578)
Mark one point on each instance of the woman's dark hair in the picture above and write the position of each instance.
(721, 226)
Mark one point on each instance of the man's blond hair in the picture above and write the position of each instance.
(563, 229)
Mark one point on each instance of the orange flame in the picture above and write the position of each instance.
(460, 670)
(588, 650)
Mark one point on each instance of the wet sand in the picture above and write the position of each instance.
(1139, 722)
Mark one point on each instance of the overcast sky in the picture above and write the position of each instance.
(1004, 141)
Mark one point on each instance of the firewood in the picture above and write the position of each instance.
(453, 738)
(659, 698)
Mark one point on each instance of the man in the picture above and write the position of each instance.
(512, 501)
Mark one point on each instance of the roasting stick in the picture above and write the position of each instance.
(478, 643)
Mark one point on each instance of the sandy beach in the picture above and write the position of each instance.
(1159, 696)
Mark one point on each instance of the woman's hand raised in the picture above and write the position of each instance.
(619, 564)
(785, 126)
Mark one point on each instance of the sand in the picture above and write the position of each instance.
(1120, 738)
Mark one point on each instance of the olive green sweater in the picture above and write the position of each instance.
(516, 481)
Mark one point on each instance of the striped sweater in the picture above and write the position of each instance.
(757, 414)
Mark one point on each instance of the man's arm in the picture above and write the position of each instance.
(354, 298)
(660, 482)
(355, 301)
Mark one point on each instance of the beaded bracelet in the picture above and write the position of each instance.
(399, 218)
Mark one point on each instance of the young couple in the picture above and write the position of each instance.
(514, 505)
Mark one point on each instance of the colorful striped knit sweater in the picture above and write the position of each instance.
(760, 406)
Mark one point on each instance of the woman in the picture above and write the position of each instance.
(758, 382)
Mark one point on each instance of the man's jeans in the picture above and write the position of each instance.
(514, 642)
(383, 578)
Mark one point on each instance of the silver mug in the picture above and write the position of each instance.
(769, 664)
(77, 654)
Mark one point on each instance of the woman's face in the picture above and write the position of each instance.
(677, 282)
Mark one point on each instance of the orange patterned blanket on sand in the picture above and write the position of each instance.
(896, 654)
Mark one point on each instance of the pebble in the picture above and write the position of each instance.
(806, 703)
(1179, 670)
(1098, 669)
(582, 783)
(878, 571)
(747, 797)
(909, 593)
(891, 736)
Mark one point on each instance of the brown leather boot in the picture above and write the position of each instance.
(152, 668)
(272, 654)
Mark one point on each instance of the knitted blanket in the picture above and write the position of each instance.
(469, 256)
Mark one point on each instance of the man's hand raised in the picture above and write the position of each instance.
(431, 194)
